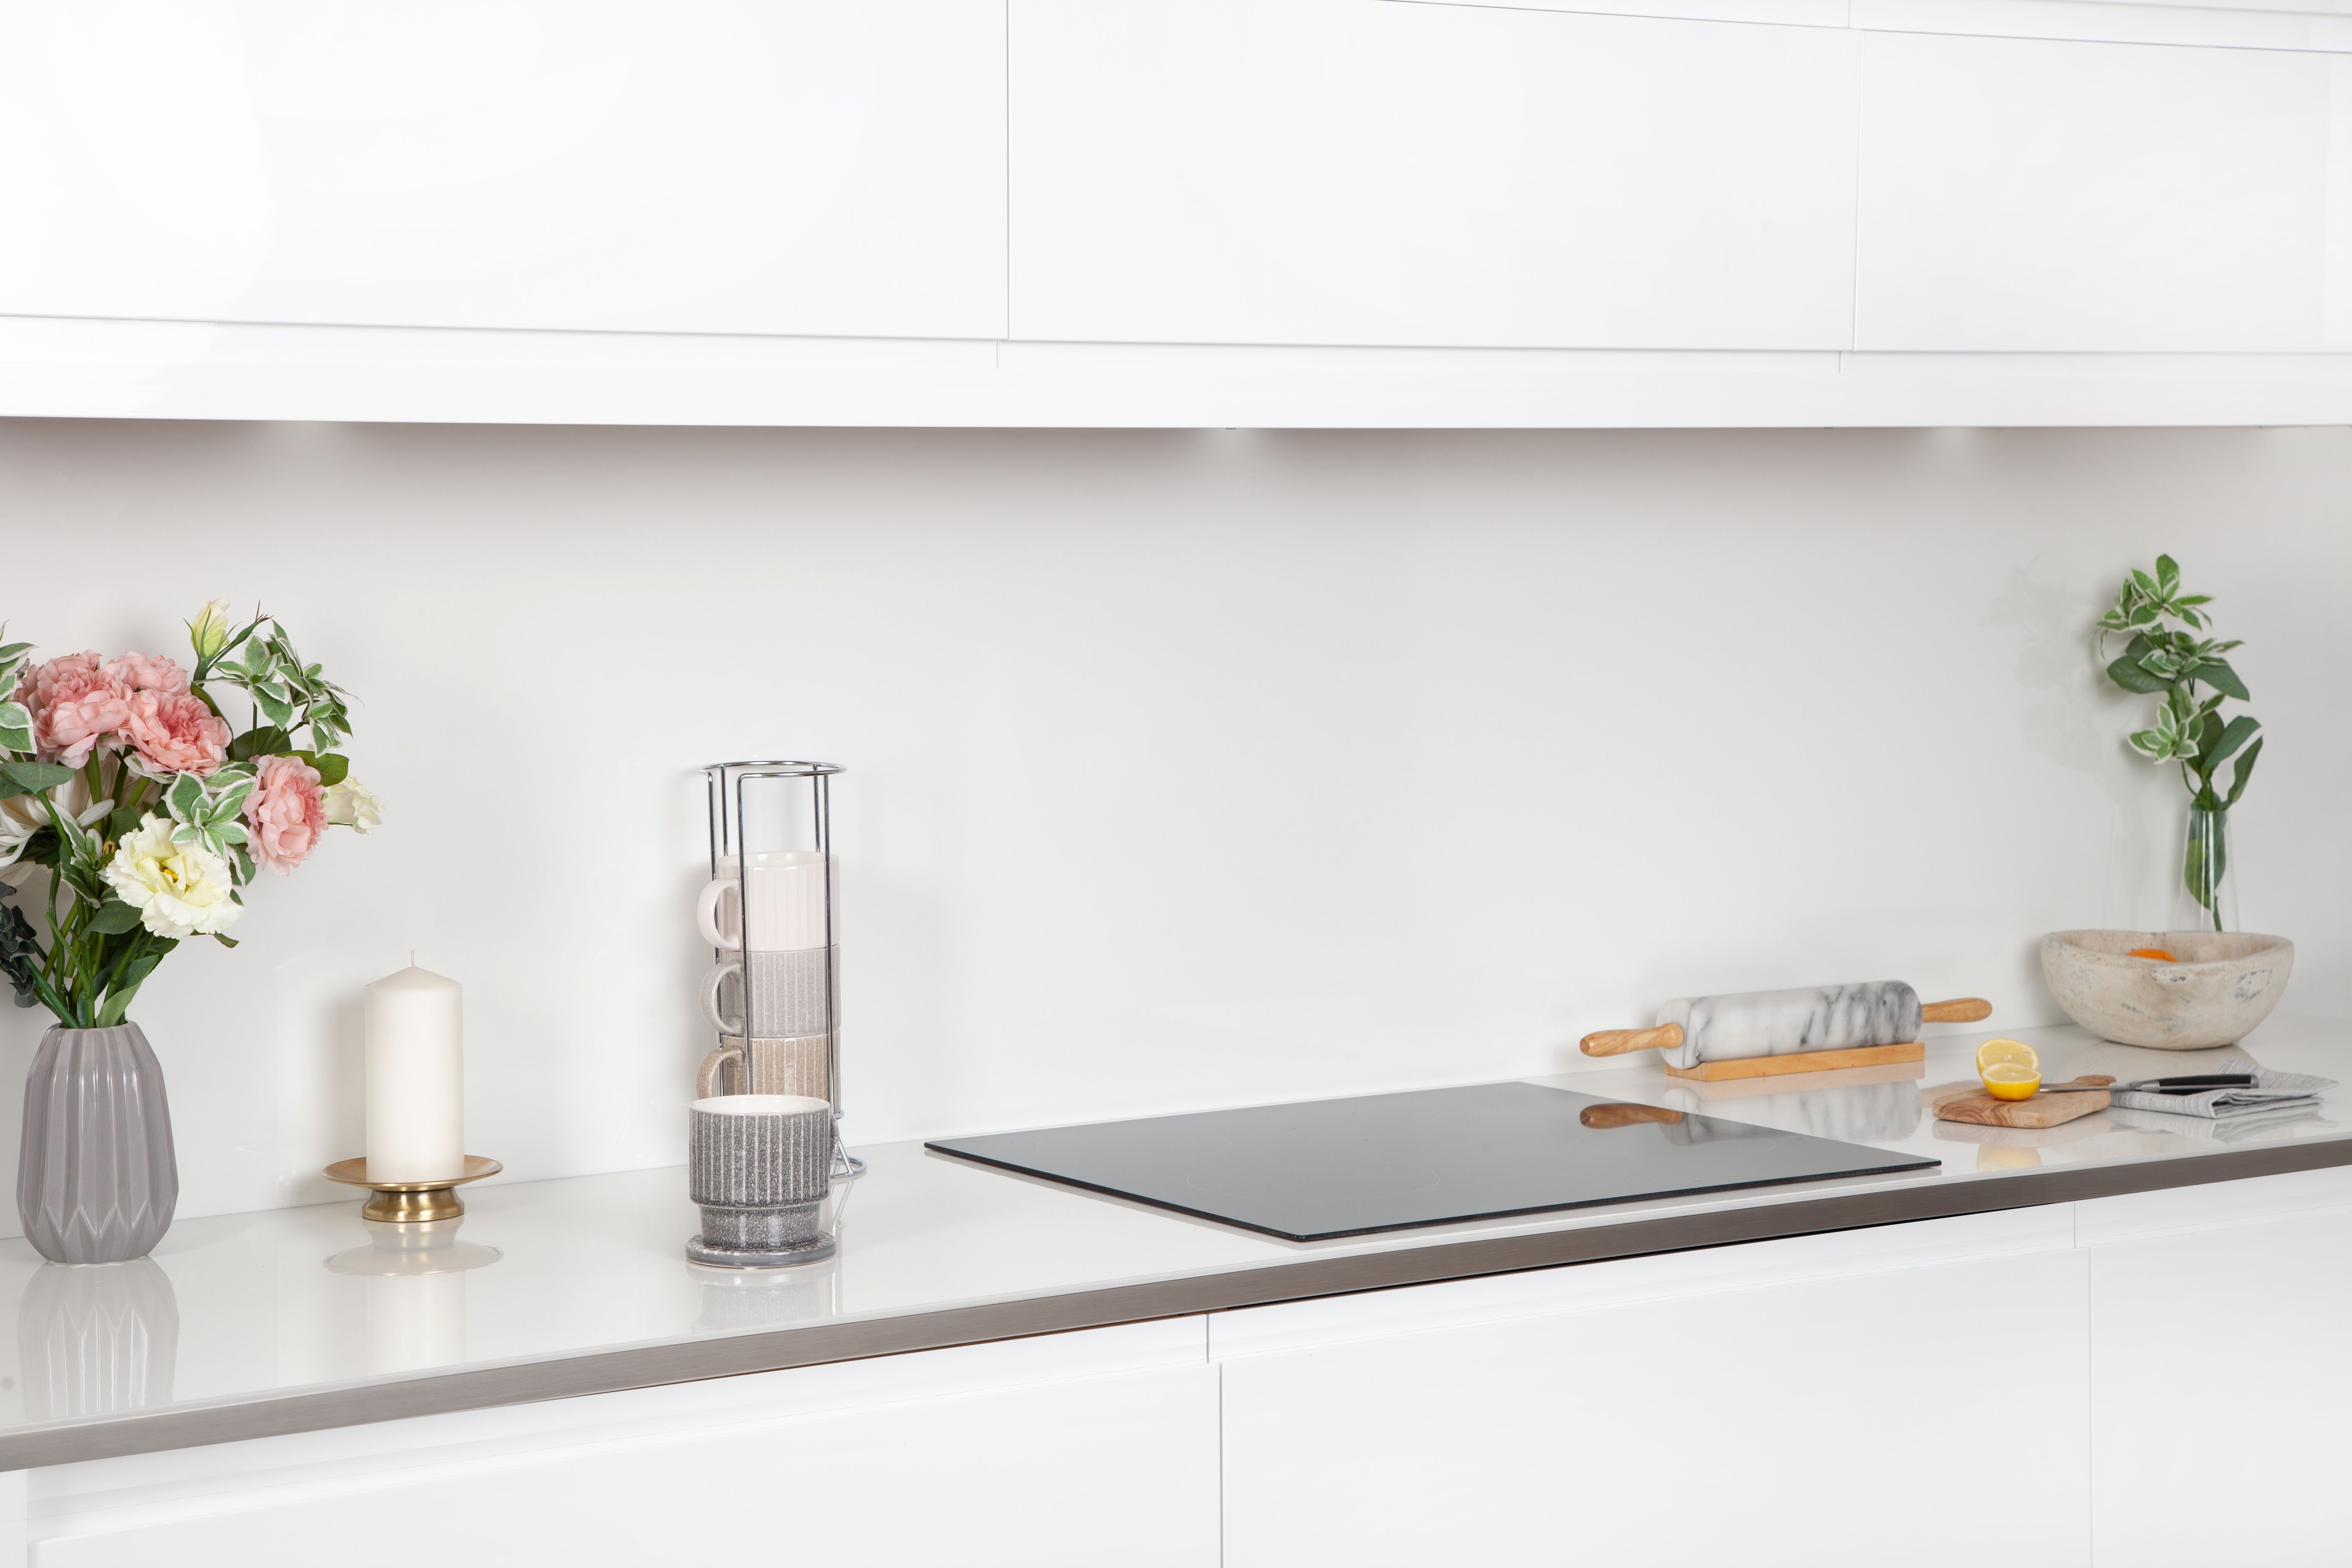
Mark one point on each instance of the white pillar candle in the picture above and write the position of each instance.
(415, 1077)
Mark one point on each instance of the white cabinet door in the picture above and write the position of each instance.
(1080, 1449)
(2221, 1374)
(1728, 1408)
(1345, 172)
(787, 166)
(2038, 196)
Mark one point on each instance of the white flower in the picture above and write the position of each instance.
(22, 816)
(179, 889)
(208, 632)
(353, 806)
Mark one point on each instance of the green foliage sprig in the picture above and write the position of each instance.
(2164, 656)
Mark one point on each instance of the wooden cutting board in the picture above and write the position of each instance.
(1970, 1102)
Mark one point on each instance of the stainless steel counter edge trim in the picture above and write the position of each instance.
(607, 1371)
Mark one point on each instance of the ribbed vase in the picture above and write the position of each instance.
(95, 1181)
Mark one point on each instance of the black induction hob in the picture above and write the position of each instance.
(1390, 1162)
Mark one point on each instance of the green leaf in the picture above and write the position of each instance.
(275, 706)
(2238, 731)
(2168, 576)
(114, 917)
(225, 940)
(268, 741)
(31, 778)
(332, 768)
(231, 833)
(227, 798)
(2126, 673)
(2241, 772)
(186, 798)
(2217, 674)
(15, 727)
(124, 822)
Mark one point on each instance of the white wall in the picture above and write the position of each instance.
(1185, 769)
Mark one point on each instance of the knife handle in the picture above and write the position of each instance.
(1617, 1042)
(1958, 1010)
(1607, 1116)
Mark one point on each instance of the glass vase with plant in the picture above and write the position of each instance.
(2168, 655)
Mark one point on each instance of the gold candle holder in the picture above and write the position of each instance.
(411, 1203)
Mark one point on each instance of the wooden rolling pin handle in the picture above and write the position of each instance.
(1605, 1116)
(1617, 1042)
(1960, 1010)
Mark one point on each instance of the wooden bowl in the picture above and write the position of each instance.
(2224, 984)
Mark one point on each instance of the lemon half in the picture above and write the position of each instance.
(2008, 1081)
(2007, 1050)
(2009, 1069)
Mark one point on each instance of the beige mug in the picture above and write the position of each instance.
(789, 1064)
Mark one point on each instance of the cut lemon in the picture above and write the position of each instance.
(2007, 1050)
(2009, 1080)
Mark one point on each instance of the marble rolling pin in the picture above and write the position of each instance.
(1813, 1028)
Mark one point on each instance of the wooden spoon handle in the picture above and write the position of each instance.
(1617, 1042)
(1960, 1010)
(1600, 1116)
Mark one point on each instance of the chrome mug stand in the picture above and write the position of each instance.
(731, 839)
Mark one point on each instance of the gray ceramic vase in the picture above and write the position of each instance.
(96, 1182)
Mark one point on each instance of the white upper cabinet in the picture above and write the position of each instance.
(2043, 196)
(1328, 171)
(710, 165)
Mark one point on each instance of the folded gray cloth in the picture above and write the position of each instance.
(2269, 1091)
(2299, 1120)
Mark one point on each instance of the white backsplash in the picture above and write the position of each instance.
(1186, 769)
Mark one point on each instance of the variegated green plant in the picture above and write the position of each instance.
(2166, 654)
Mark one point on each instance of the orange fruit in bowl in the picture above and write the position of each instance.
(2155, 952)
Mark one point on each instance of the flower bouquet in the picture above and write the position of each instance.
(127, 783)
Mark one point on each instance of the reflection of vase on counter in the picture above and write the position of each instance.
(98, 1340)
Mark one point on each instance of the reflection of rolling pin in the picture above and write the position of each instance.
(1602, 1117)
(1807, 1029)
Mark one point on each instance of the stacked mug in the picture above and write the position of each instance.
(761, 1156)
(771, 999)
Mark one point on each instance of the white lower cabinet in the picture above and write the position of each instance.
(1084, 1448)
(2220, 1373)
(2131, 1383)
(1912, 1395)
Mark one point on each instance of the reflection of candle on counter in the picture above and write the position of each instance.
(416, 1078)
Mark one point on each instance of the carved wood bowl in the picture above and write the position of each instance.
(2224, 984)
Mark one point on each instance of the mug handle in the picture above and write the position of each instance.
(707, 1083)
(714, 991)
(706, 911)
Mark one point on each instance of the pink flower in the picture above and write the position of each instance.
(176, 733)
(288, 811)
(74, 703)
(147, 672)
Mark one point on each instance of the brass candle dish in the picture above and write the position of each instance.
(411, 1203)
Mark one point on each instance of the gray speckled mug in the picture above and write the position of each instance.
(760, 1168)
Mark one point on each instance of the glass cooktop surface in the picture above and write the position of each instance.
(1329, 1168)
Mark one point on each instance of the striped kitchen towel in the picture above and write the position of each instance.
(2269, 1091)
